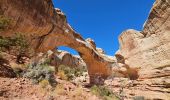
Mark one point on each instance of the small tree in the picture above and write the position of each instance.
(19, 44)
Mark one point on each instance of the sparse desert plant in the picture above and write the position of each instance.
(44, 83)
(103, 92)
(65, 72)
(79, 91)
(18, 72)
(60, 90)
(78, 94)
(41, 71)
(17, 45)
(4, 43)
(62, 75)
(18, 41)
(4, 22)
(69, 73)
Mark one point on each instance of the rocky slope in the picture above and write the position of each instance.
(144, 56)
(20, 89)
(149, 53)
(47, 28)
(24, 89)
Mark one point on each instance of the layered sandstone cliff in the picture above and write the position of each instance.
(148, 52)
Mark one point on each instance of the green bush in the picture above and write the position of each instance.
(4, 43)
(18, 44)
(69, 73)
(41, 71)
(103, 92)
(4, 23)
(18, 40)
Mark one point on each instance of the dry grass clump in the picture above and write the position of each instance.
(69, 73)
(104, 93)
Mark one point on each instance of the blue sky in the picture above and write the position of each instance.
(104, 20)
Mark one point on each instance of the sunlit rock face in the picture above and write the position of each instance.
(149, 52)
(60, 57)
(47, 28)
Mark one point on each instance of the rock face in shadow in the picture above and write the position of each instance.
(5, 69)
(149, 52)
(47, 28)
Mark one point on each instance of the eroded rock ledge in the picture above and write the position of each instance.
(149, 52)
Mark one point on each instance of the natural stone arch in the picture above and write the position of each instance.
(99, 66)
(47, 28)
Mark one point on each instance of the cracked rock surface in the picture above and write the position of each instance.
(149, 52)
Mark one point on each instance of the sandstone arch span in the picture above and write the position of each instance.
(47, 28)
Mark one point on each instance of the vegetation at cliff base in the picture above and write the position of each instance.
(69, 73)
(18, 41)
(4, 22)
(103, 92)
(41, 72)
(17, 45)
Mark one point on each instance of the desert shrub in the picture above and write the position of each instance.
(21, 42)
(41, 71)
(18, 40)
(18, 72)
(17, 44)
(62, 75)
(65, 72)
(103, 92)
(44, 83)
(60, 90)
(4, 43)
(69, 73)
(4, 22)
(78, 94)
